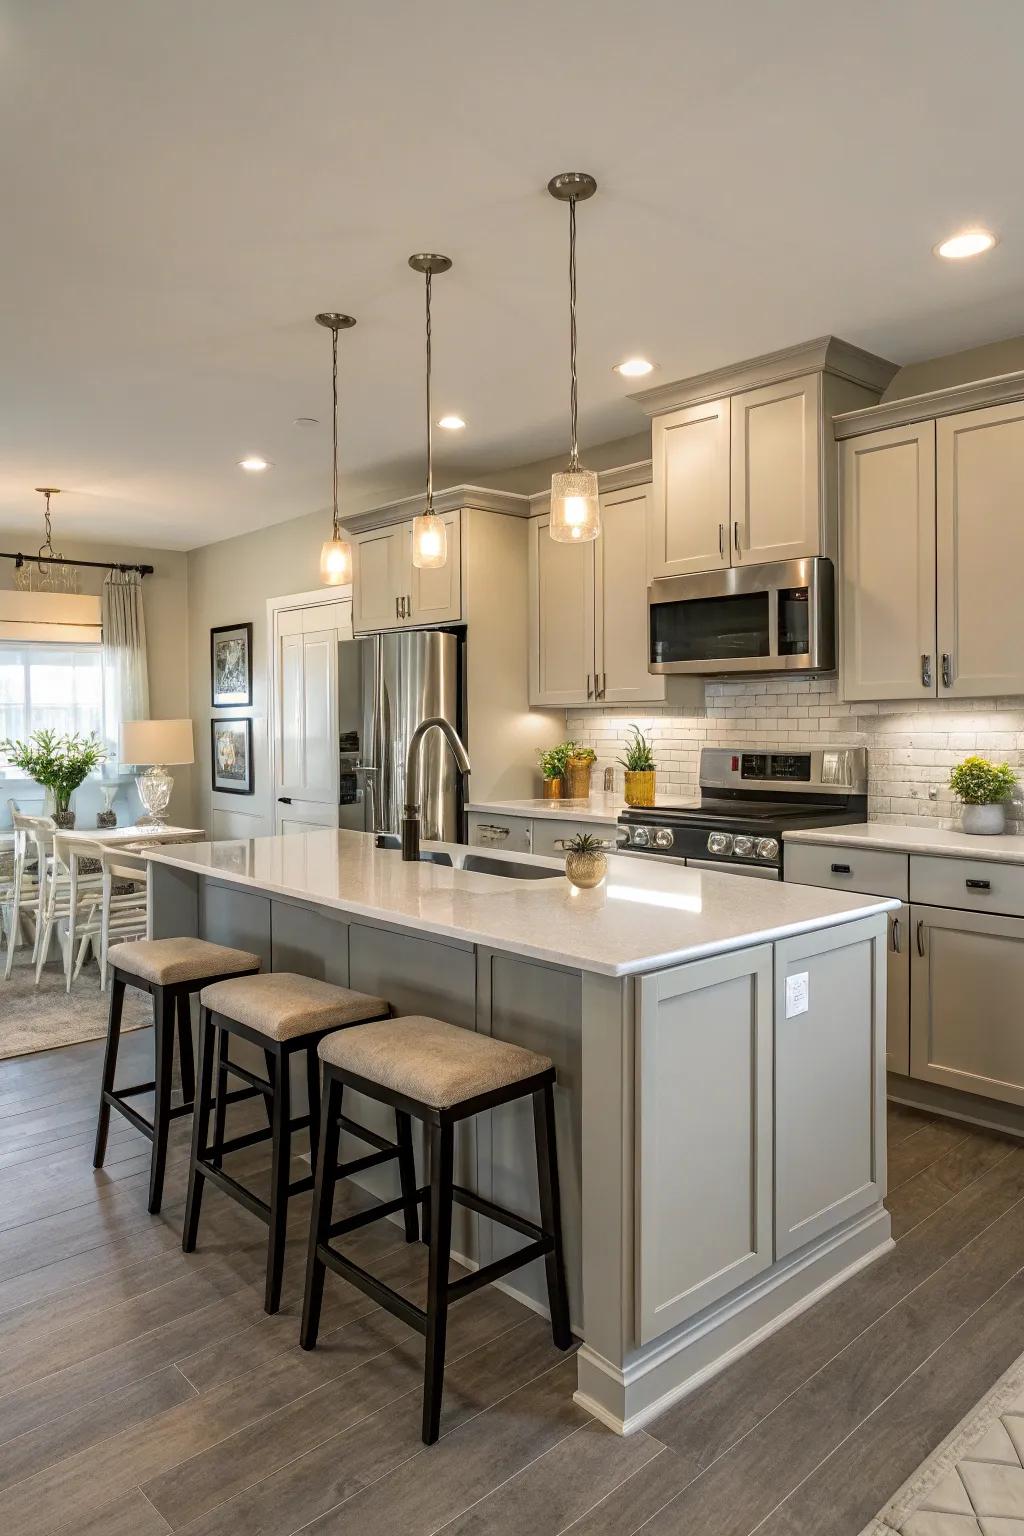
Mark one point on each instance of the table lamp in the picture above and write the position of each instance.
(156, 742)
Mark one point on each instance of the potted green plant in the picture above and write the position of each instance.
(638, 761)
(552, 766)
(58, 763)
(585, 862)
(578, 764)
(983, 788)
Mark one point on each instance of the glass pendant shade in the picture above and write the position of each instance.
(429, 542)
(335, 563)
(575, 507)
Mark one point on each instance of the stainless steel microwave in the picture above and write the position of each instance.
(778, 617)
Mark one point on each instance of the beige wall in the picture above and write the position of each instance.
(958, 368)
(165, 596)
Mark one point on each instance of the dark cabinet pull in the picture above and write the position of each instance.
(284, 799)
(897, 942)
(841, 869)
(920, 936)
(979, 885)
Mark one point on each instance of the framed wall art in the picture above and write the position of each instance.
(231, 764)
(231, 665)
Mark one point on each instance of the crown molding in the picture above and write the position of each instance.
(1003, 389)
(621, 478)
(451, 500)
(825, 354)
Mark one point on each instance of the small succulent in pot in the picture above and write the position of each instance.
(983, 788)
(585, 861)
(553, 762)
(638, 762)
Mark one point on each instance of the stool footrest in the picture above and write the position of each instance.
(364, 1218)
(474, 1202)
(257, 1083)
(467, 1284)
(358, 1164)
(363, 1133)
(375, 1289)
(114, 1099)
(239, 1143)
(301, 1185)
(231, 1186)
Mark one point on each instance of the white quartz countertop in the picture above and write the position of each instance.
(915, 837)
(639, 919)
(599, 807)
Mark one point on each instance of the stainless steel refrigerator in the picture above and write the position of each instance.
(387, 684)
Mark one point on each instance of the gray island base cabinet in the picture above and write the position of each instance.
(721, 1164)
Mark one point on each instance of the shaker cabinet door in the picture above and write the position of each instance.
(689, 519)
(435, 597)
(887, 552)
(897, 992)
(776, 472)
(980, 458)
(622, 645)
(377, 558)
(562, 668)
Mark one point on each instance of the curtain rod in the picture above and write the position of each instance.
(95, 565)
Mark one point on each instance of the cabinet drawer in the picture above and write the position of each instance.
(976, 885)
(548, 833)
(875, 871)
(490, 829)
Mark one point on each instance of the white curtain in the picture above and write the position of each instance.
(125, 668)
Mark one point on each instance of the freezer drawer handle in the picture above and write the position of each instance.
(979, 885)
(841, 869)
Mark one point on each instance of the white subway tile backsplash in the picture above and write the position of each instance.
(911, 746)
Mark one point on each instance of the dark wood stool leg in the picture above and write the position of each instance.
(109, 1067)
(185, 1058)
(279, 1179)
(200, 1130)
(442, 1139)
(220, 1112)
(313, 1095)
(163, 1025)
(407, 1175)
(323, 1205)
(551, 1214)
(268, 1057)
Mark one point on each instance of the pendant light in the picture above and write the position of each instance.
(575, 504)
(429, 535)
(335, 552)
(55, 575)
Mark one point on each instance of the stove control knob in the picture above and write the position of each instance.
(720, 842)
(664, 837)
(640, 837)
(768, 848)
(742, 846)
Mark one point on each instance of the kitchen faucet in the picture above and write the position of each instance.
(411, 812)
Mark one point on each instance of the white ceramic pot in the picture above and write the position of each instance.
(983, 819)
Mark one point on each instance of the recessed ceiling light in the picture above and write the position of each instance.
(451, 423)
(969, 242)
(254, 464)
(634, 368)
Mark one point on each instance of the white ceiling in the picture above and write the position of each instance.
(184, 183)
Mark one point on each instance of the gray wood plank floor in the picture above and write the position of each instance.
(144, 1391)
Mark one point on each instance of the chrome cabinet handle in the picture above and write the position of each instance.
(947, 670)
(926, 671)
(408, 607)
(398, 611)
(736, 536)
(897, 942)
(920, 936)
(491, 833)
(590, 691)
(721, 538)
(604, 680)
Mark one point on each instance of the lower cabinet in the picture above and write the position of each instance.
(704, 1139)
(967, 984)
(897, 998)
(490, 829)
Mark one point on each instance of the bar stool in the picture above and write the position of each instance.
(439, 1074)
(282, 1014)
(170, 970)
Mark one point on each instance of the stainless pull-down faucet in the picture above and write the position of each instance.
(411, 812)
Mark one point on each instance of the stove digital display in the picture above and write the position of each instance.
(793, 766)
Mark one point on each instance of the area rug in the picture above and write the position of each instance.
(973, 1484)
(42, 1018)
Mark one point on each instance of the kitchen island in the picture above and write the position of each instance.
(720, 1049)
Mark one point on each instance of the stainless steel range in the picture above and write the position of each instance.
(748, 799)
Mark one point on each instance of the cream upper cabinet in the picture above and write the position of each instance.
(980, 460)
(620, 603)
(775, 495)
(689, 512)
(887, 543)
(562, 654)
(376, 576)
(390, 593)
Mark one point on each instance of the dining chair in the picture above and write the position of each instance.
(72, 902)
(33, 837)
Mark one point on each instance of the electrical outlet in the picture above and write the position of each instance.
(797, 994)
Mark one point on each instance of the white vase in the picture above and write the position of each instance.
(983, 819)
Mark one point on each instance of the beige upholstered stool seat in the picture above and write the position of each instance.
(166, 962)
(433, 1063)
(284, 1006)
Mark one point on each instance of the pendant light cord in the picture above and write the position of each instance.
(430, 433)
(46, 549)
(334, 399)
(574, 456)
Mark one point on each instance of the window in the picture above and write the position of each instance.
(59, 687)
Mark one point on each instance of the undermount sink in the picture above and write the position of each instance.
(474, 863)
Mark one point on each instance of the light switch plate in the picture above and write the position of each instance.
(797, 994)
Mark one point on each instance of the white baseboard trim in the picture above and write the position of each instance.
(677, 1360)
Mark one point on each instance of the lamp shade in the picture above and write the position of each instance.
(157, 741)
